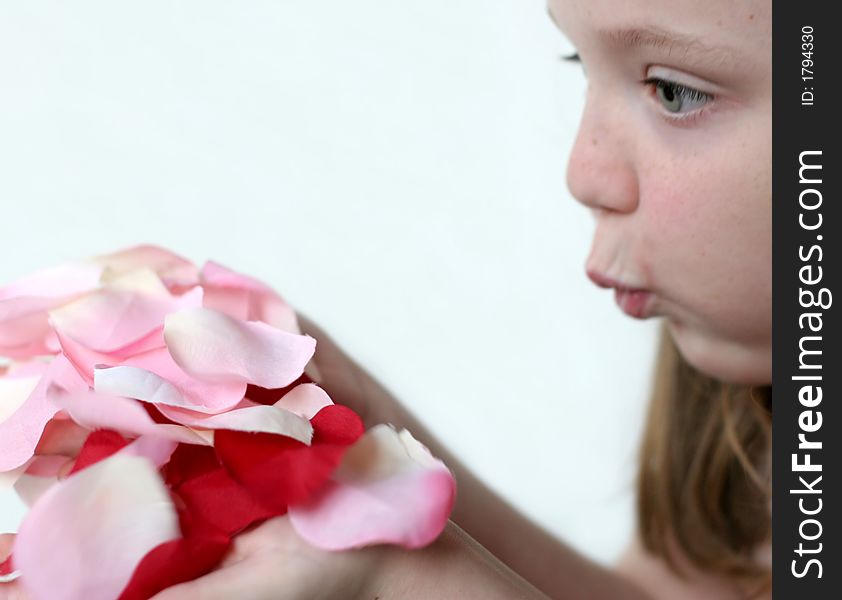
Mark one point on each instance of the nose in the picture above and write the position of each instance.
(600, 172)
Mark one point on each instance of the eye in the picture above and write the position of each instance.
(677, 98)
(574, 58)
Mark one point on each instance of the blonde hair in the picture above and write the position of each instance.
(704, 485)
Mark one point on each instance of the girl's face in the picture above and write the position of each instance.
(673, 156)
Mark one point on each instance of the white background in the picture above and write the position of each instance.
(394, 169)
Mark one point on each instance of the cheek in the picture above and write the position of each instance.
(707, 241)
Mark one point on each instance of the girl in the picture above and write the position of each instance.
(673, 158)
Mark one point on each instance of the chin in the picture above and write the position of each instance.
(724, 359)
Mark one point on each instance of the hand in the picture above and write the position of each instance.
(271, 562)
(348, 383)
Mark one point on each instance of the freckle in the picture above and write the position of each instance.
(751, 17)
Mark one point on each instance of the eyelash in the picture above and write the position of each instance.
(693, 93)
(681, 90)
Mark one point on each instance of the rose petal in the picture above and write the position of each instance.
(87, 534)
(15, 389)
(59, 282)
(189, 462)
(254, 419)
(21, 431)
(200, 550)
(111, 319)
(25, 330)
(9, 478)
(306, 400)
(97, 447)
(245, 298)
(167, 265)
(98, 410)
(218, 499)
(155, 377)
(215, 347)
(263, 395)
(83, 359)
(24, 327)
(62, 436)
(30, 488)
(389, 489)
(7, 571)
(47, 466)
(278, 470)
(157, 450)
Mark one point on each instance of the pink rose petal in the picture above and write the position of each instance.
(15, 388)
(155, 377)
(306, 400)
(50, 465)
(41, 474)
(30, 488)
(157, 450)
(86, 360)
(111, 319)
(24, 325)
(58, 282)
(21, 431)
(97, 410)
(86, 535)
(246, 298)
(83, 359)
(254, 419)
(212, 346)
(9, 478)
(388, 489)
(169, 266)
(143, 280)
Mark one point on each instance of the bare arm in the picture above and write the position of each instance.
(529, 550)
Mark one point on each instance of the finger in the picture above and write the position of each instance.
(248, 579)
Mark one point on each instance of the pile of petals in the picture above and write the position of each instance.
(150, 411)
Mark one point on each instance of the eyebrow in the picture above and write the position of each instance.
(676, 44)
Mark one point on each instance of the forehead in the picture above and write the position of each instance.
(742, 26)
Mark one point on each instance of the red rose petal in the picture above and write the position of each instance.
(279, 471)
(6, 567)
(177, 561)
(99, 444)
(189, 461)
(156, 415)
(336, 424)
(216, 498)
(261, 395)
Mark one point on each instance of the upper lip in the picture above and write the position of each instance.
(604, 281)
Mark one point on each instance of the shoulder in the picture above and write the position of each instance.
(653, 575)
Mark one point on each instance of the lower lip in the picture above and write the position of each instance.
(633, 302)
